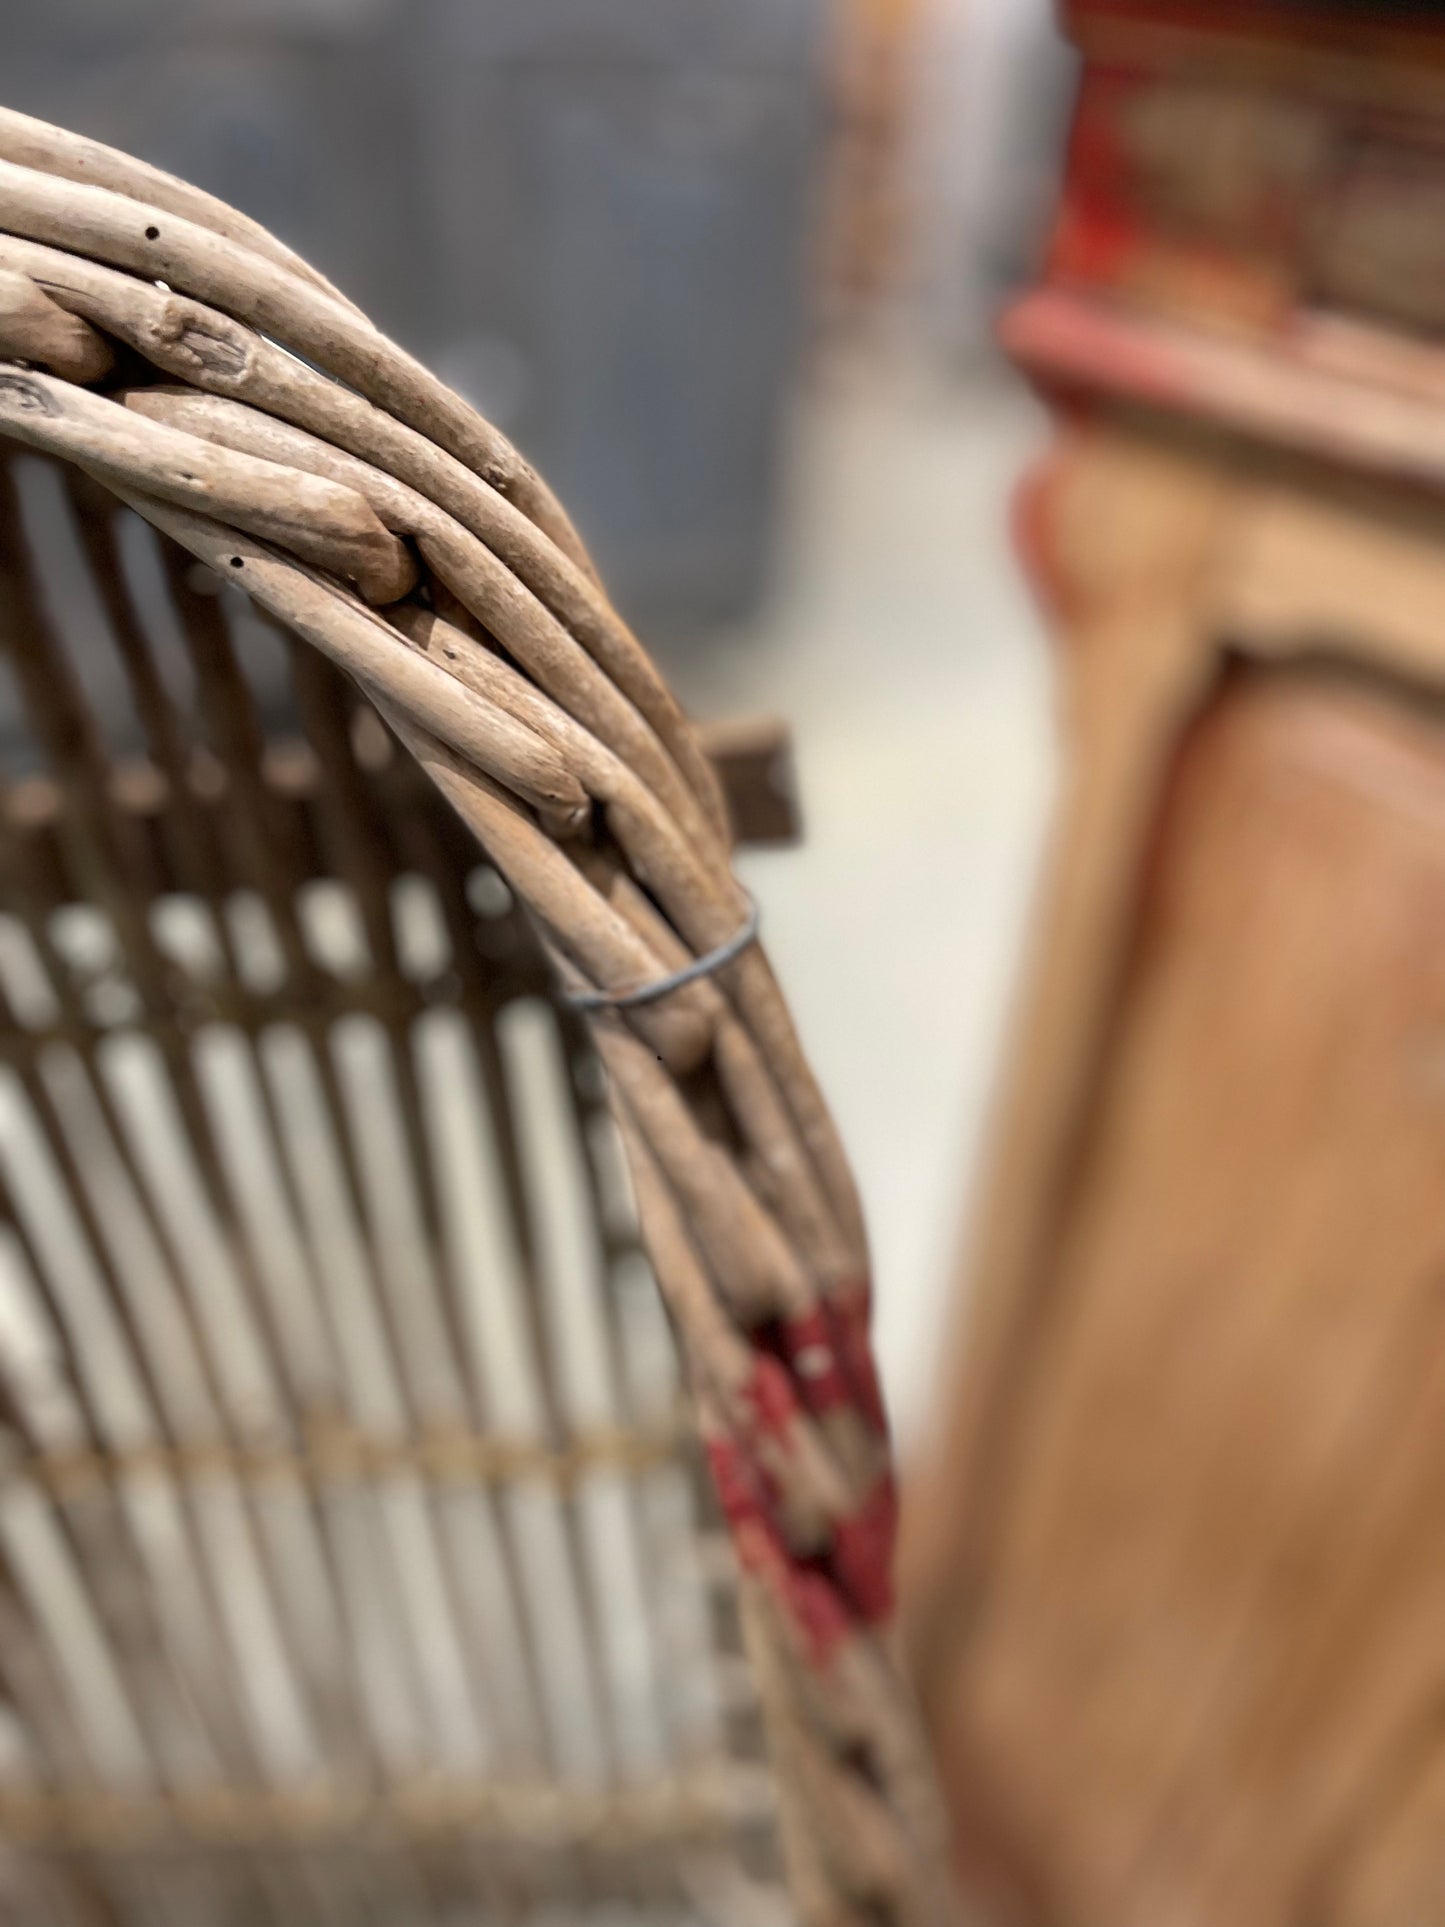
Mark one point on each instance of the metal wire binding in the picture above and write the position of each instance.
(705, 966)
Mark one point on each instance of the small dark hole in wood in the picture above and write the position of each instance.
(153, 234)
(237, 563)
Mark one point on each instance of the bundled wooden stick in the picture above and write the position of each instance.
(260, 423)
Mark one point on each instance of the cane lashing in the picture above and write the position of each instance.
(171, 352)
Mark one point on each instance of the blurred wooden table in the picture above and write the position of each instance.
(1176, 1562)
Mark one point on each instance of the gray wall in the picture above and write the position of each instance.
(592, 215)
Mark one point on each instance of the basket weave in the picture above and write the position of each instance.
(352, 1561)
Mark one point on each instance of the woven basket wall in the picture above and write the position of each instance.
(361, 1556)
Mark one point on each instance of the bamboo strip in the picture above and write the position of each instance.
(535, 713)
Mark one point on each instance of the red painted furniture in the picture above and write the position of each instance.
(1175, 1565)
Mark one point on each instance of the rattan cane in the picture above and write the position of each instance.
(351, 1566)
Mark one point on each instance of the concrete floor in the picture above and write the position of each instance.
(903, 646)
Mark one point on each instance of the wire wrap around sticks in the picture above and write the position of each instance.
(285, 443)
(692, 973)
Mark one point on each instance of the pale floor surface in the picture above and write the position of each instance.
(903, 646)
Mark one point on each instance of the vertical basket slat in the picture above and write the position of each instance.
(335, 1439)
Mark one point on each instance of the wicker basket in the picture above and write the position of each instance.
(354, 1561)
